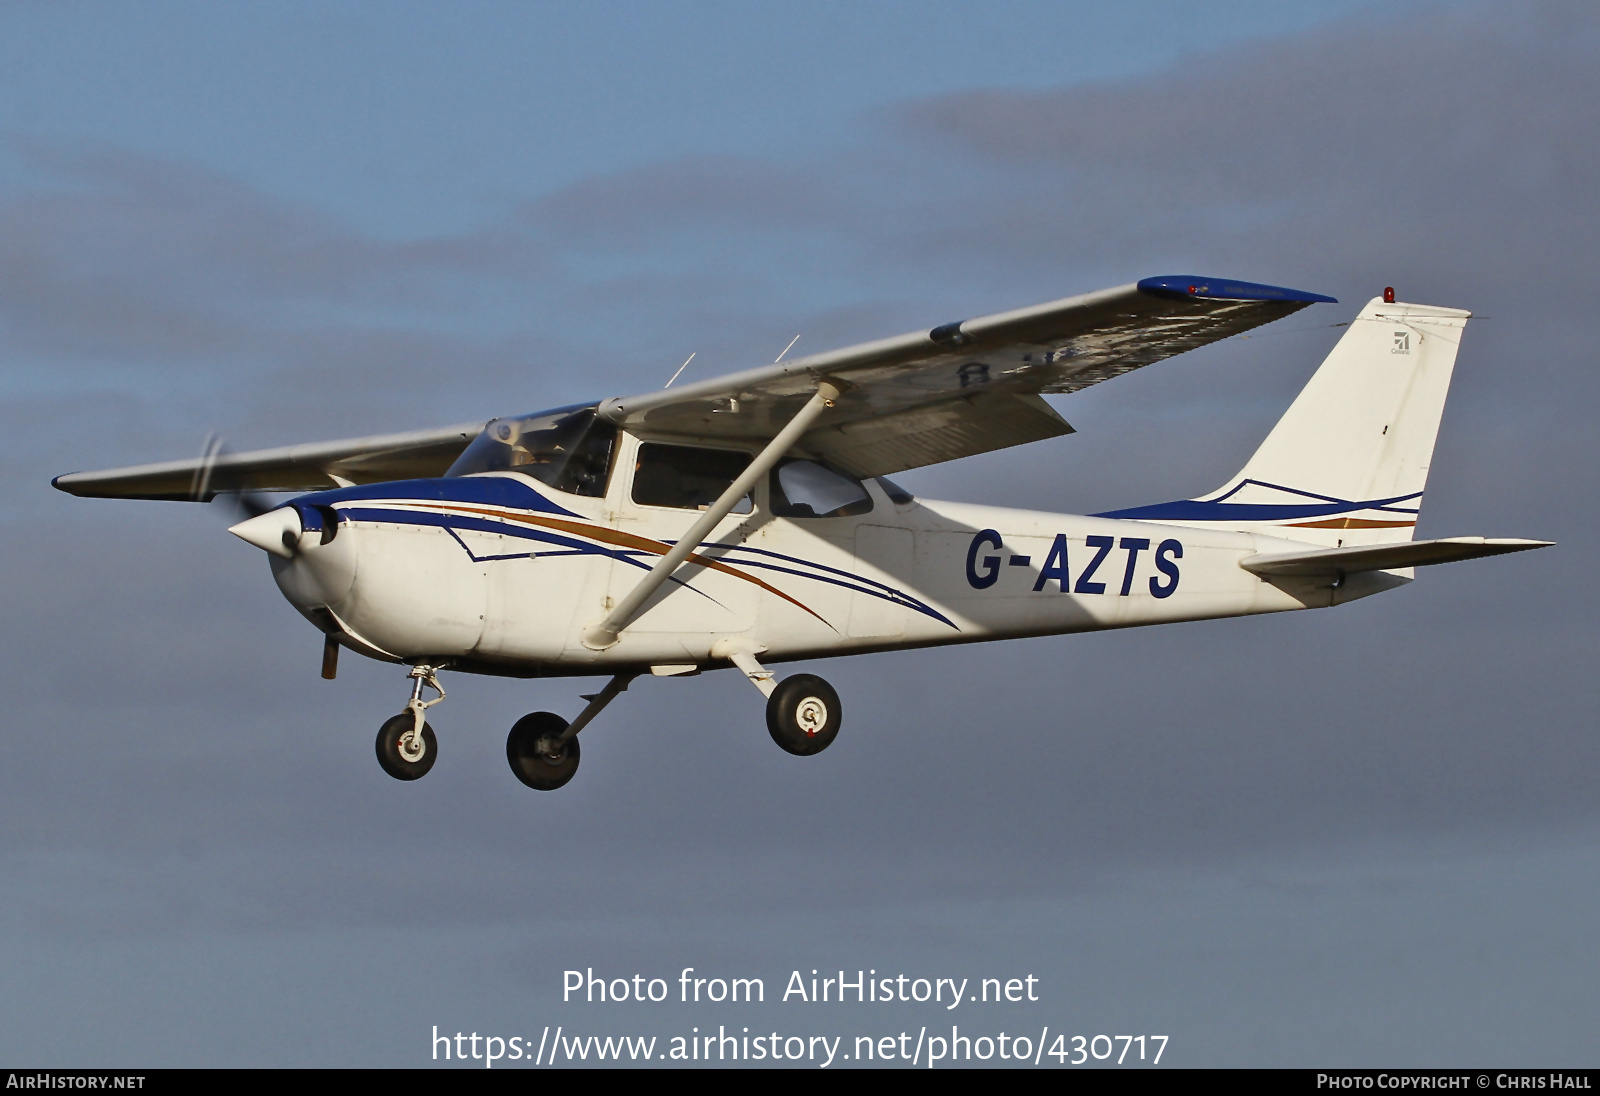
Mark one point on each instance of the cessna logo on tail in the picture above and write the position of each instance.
(1402, 343)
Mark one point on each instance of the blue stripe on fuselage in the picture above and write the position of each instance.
(452, 522)
(633, 557)
(1218, 509)
(511, 491)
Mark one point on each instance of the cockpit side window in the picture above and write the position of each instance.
(569, 449)
(806, 489)
(685, 477)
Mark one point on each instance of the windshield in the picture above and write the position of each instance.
(568, 449)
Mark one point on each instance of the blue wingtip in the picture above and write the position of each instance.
(1224, 289)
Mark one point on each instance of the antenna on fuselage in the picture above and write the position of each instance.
(681, 368)
(786, 349)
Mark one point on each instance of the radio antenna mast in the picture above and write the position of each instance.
(681, 368)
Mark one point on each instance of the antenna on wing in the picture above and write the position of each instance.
(786, 349)
(681, 368)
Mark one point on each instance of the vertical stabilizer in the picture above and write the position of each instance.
(1347, 463)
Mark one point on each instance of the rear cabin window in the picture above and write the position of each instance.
(686, 478)
(806, 489)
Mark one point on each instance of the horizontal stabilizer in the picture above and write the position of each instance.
(1384, 557)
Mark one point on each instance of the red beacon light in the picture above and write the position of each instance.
(1388, 294)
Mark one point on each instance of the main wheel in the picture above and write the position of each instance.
(399, 752)
(803, 714)
(536, 757)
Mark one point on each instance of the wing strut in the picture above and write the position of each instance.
(603, 634)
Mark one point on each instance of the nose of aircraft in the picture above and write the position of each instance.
(316, 554)
(276, 531)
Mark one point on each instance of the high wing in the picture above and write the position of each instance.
(311, 467)
(921, 398)
(961, 388)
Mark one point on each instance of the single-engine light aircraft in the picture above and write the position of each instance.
(746, 520)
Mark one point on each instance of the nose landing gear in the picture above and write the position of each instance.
(406, 746)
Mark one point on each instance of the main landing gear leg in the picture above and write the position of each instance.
(542, 748)
(761, 677)
(803, 711)
(406, 746)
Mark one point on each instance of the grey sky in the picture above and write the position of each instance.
(1356, 836)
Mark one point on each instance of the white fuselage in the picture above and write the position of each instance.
(500, 573)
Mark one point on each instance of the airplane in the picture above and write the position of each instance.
(747, 520)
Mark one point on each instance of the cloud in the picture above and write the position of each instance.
(689, 192)
(111, 254)
(1460, 138)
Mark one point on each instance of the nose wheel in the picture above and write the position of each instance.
(402, 751)
(406, 746)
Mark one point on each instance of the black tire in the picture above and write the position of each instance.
(397, 757)
(803, 714)
(533, 756)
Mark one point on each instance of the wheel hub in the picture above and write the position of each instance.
(412, 747)
(811, 715)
